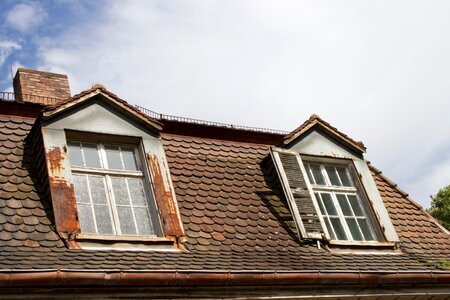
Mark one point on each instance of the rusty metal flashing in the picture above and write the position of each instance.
(65, 277)
(131, 111)
(164, 196)
(315, 122)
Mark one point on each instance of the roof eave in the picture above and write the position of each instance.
(185, 278)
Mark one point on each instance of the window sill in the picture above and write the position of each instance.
(346, 247)
(124, 243)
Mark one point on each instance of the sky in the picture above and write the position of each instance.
(379, 71)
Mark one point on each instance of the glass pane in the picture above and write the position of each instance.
(81, 189)
(364, 225)
(317, 173)
(338, 228)
(98, 192)
(143, 221)
(308, 171)
(354, 229)
(330, 230)
(356, 206)
(346, 210)
(137, 191)
(75, 157)
(91, 156)
(344, 176)
(129, 160)
(126, 220)
(120, 191)
(328, 202)
(322, 208)
(103, 218)
(113, 157)
(86, 218)
(332, 175)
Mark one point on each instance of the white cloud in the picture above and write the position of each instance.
(6, 48)
(378, 74)
(25, 16)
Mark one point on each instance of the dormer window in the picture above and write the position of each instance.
(341, 205)
(108, 176)
(330, 189)
(109, 189)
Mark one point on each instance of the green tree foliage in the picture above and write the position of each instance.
(440, 206)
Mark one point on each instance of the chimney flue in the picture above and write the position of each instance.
(40, 87)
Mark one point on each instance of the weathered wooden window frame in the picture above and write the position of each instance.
(355, 190)
(105, 172)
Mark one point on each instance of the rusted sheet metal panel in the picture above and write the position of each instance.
(165, 196)
(61, 188)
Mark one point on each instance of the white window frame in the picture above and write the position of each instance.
(355, 189)
(107, 174)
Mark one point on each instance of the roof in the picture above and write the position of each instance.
(233, 210)
(316, 122)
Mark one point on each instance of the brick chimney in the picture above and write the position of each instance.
(40, 87)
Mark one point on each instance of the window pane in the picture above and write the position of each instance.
(322, 208)
(103, 218)
(338, 228)
(344, 176)
(81, 189)
(356, 206)
(91, 156)
(330, 230)
(328, 202)
(129, 160)
(346, 210)
(120, 191)
(317, 173)
(98, 192)
(86, 218)
(113, 157)
(332, 175)
(366, 229)
(75, 157)
(308, 171)
(354, 229)
(126, 220)
(143, 221)
(137, 191)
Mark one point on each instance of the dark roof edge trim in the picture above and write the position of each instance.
(316, 122)
(185, 278)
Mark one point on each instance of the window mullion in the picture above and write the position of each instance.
(354, 215)
(325, 175)
(91, 203)
(112, 204)
(327, 215)
(82, 154)
(341, 215)
(131, 206)
(338, 176)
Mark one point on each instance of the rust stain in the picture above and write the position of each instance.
(164, 198)
(64, 206)
(55, 157)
